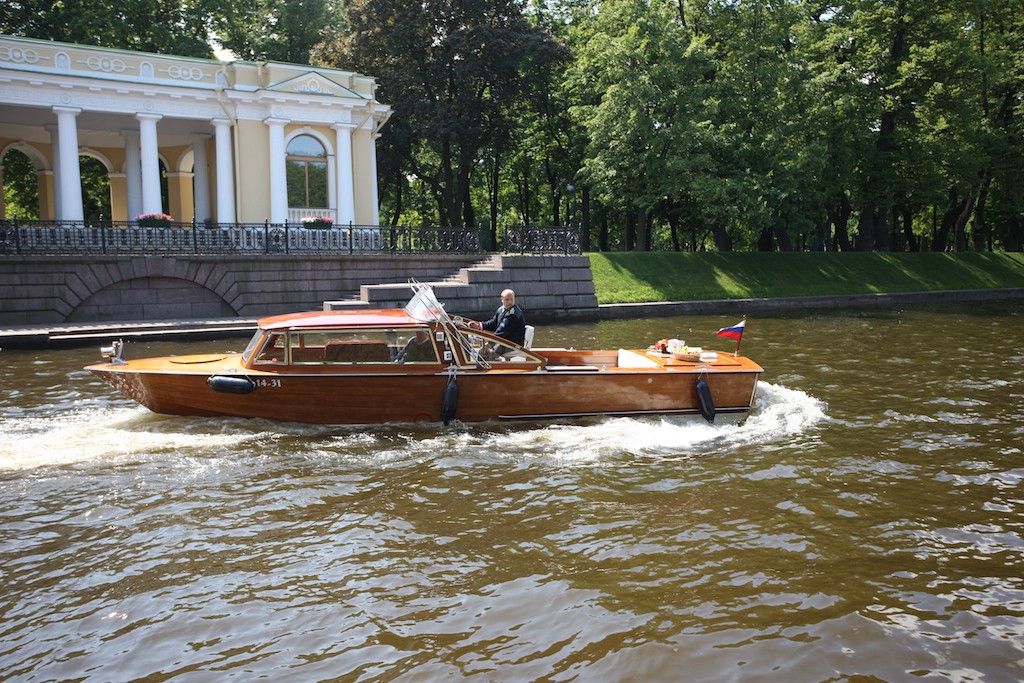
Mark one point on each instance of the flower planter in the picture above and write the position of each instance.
(318, 225)
(154, 223)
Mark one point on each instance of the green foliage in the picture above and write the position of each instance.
(452, 71)
(21, 189)
(161, 26)
(714, 125)
(279, 30)
(635, 278)
(95, 188)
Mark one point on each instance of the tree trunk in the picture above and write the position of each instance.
(630, 230)
(449, 199)
(643, 230)
(399, 185)
(673, 222)
(722, 240)
(839, 215)
(1013, 234)
(960, 227)
(979, 229)
(585, 223)
(908, 229)
(782, 236)
(495, 178)
(955, 209)
(872, 228)
(602, 238)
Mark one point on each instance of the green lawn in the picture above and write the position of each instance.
(637, 277)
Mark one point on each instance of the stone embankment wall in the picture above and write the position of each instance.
(56, 289)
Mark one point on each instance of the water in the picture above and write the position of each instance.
(865, 524)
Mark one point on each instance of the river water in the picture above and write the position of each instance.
(865, 524)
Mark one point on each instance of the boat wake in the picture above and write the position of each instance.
(111, 435)
(779, 415)
(128, 434)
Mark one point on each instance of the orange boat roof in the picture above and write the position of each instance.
(313, 319)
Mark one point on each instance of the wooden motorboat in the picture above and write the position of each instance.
(421, 364)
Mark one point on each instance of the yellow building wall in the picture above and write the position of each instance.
(118, 197)
(253, 182)
(179, 196)
(362, 164)
(44, 183)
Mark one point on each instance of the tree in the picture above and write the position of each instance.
(161, 26)
(450, 69)
(647, 109)
(280, 30)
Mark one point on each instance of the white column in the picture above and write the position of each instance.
(58, 212)
(150, 157)
(200, 178)
(343, 159)
(278, 172)
(70, 195)
(225, 172)
(373, 180)
(132, 173)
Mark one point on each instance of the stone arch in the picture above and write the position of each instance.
(98, 156)
(150, 288)
(185, 162)
(43, 176)
(38, 159)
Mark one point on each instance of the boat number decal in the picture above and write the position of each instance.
(272, 383)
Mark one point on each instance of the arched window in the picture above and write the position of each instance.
(307, 173)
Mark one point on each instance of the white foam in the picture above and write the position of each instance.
(113, 435)
(779, 414)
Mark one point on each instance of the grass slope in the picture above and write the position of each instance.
(632, 277)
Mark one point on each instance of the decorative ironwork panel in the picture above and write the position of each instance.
(523, 239)
(130, 238)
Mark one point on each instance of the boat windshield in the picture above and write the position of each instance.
(486, 350)
(424, 306)
(256, 338)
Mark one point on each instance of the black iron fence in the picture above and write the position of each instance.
(164, 237)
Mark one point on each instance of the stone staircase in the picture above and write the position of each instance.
(548, 287)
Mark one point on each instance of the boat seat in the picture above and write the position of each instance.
(528, 340)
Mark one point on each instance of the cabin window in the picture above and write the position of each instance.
(415, 346)
(375, 346)
(274, 351)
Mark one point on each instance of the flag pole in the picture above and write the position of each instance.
(739, 341)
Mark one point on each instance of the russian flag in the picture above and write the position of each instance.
(734, 332)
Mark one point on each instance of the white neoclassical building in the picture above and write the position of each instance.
(236, 141)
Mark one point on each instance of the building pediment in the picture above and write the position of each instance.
(313, 83)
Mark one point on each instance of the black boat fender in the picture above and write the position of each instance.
(451, 401)
(707, 406)
(231, 384)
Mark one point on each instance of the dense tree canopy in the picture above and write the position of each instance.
(660, 124)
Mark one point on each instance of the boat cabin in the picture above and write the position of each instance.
(336, 339)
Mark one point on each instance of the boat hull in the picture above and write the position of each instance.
(377, 398)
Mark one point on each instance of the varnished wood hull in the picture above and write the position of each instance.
(179, 387)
